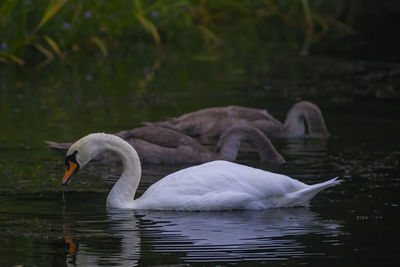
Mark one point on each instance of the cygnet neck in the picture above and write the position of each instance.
(305, 114)
(229, 144)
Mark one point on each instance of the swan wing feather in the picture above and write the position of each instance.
(218, 185)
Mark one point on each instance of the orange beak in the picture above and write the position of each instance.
(70, 169)
(72, 246)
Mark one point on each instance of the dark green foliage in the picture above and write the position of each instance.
(37, 31)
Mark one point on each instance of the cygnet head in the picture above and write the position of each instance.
(80, 153)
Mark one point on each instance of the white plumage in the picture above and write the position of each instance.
(216, 185)
(220, 185)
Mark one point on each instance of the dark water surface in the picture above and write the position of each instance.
(355, 223)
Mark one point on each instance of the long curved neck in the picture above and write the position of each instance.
(305, 114)
(123, 192)
(229, 144)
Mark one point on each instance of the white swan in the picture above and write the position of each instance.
(217, 185)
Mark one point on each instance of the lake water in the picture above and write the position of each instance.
(355, 223)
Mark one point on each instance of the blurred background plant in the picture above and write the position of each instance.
(33, 33)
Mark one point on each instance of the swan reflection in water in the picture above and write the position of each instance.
(117, 243)
(204, 236)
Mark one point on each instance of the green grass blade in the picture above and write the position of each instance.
(52, 9)
(100, 45)
(44, 51)
(150, 27)
(138, 5)
(208, 34)
(52, 44)
(12, 58)
(17, 60)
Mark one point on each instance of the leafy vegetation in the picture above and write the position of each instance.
(35, 32)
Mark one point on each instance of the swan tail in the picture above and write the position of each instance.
(62, 147)
(302, 197)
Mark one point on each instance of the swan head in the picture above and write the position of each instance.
(80, 153)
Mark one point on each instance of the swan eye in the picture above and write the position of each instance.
(71, 158)
(67, 165)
